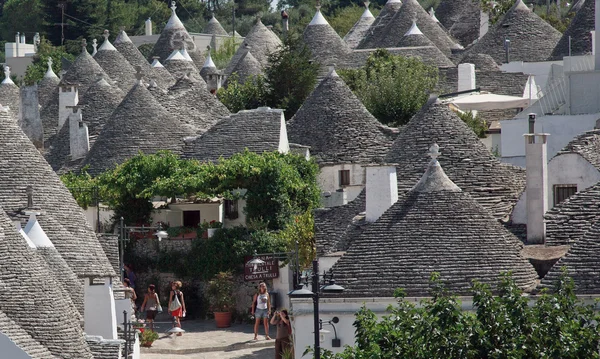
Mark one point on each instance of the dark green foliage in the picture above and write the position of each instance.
(504, 325)
(24, 16)
(36, 71)
(146, 49)
(248, 95)
(476, 123)
(393, 88)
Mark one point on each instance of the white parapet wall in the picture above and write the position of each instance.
(99, 308)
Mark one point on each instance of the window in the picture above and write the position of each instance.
(231, 209)
(191, 218)
(344, 177)
(563, 191)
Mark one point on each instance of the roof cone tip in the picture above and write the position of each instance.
(50, 72)
(414, 30)
(7, 79)
(318, 19)
(435, 179)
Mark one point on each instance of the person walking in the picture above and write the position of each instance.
(130, 293)
(283, 343)
(261, 308)
(151, 305)
(176, 304)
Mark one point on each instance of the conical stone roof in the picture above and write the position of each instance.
(482, 62)
(577, 6)
(115, 65)
(22, 339)
(263, 42)
(10, 96)
(360, 28)
(209, 68)
(246, 67)
(47, 85)
(137, 124)
(414, 38)
(97, 104)
(164, 74)
(34, 300)
(190, 101)
(49, 117)
(25, 166)
(337, 126)
(462, 18)
(377, 29)
(581, 262)
(83, 72)
(178, 66)
(531, 38)
(174, 37)
(325, 44)
(468, 163)
(133, 55)
(411, 11)
(435, 227)
(214, 27)
(579, 32)
(568, 221)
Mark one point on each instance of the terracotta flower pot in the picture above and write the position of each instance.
(146, 344)
(223, 319)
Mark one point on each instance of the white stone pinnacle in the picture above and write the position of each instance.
(318, 19)
(7, 79)
(50, 72)
(414, 30)
(209, 62)
(156, 63)
(122, 38)
(174, 21)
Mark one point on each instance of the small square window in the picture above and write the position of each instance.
(344, 177)
(563, 191)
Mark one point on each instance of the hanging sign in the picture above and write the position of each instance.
(258, 272)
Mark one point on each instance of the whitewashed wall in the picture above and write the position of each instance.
(99, 310)
(539, 69)
(174, 214)
(329, 179)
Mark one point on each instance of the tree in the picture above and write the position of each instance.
(248, 95)
(505, 324)
(39, 66)
(393, 88)
(345, 17)
(24, 16)
(475, 122)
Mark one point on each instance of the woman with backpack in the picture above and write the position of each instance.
(283, 343)
(176, 304)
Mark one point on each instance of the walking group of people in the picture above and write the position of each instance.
(261, 310)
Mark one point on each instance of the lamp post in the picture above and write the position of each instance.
(300, 292)
(124, 237)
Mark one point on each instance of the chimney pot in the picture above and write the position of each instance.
(29, 192)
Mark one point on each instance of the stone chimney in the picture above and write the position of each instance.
(29, 114)
(29, 192)
(466, 77)
(67, 98)
(381, 188)
(597, 38)
(484, 23)
(23, 38)
(148, 27)
(537, 183)
(79, 139)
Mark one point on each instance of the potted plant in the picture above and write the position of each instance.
(139, 324)
(148, 337)
(221, 299)
(211, 227)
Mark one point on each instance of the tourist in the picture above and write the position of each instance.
(283, 343)
(151, 305)
(176, 304)
(130, 293)
(261, 308)
(129, 274)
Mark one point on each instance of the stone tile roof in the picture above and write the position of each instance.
(496, 186)
(568, 221)
(84, 72)
(461, 18)
(209, 68)
(337, 126)
(587, 145)
(49, 117)
(178, 66)
(325, 44)
(25, 166)
(257, 130)
(22, 339)
(138, 124)
(115, 65)
(191, 102)
(336, 227)
(133, 55)
(174, 36)
(360, 29)
(161, 71)
(263, 42)
(10, 96)
(410, 11)
(47, 87)
(246, 67)
(378, 27)
(110, 245)
(581, 262)
(579, 32)
(577, 6)
(105, 349)
(435, 227)
(34, 300)
(414, 38)
(214, 27)
(531, 38)
(97, 104)
(430, 55)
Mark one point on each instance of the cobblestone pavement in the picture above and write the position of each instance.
(203, 339)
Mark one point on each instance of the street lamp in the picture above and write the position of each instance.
(124, 237)
(300, 292)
